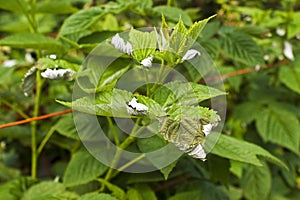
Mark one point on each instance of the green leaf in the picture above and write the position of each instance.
(155, 143)
(106, 103)
(8, 173)
(116, 191)
(195, 30)
(44, 190)
(133, 193)
(82, 168)
(57, 63)
(168, 169)
(236, 168)
(290, 76)
(112, 104)
(246, 111)
(210, 30)
(253, 30)
(212, 46)
(143, 43)
(150, 144)
(279, 126)
(293, 27)
(5, 74)
(66, 127)
(14, 189)
(242, 151)
(95, 196)
(174, 14)
(187, 195)
(217, 173)
(102, 69)
(184, 93)
(240, 47)
(145, 191)
(33, 41)
(75, 26)
(178, 39)
(55, 7)
(256, 182)
(14, 5)
(194, 112)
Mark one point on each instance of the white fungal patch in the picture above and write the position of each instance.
(53, 56)
(147, 62)
(198, 152)
(288, 51)
(190, 54)
(9, 63)
(280, 32)
(135, 108)
(57, 73)
(120, 44)
(29, 58)
(207, 129)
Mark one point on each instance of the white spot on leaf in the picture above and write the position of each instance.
(57, 73)
(147, 62)
(119, 44)
(288, 51)
(198, 152)
(280, 31)
(9, 63)
(135, 108)
(190, 54)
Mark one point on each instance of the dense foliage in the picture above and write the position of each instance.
(47, 51)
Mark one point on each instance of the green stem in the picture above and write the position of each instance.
(147, 81)
(15, 108)
(135, 131)
(162, 74)
(34, 154)
(169, 3)
(29, 16)
(45, 140)
(129, 164)
(113, 131)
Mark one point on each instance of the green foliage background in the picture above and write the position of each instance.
(256, 157)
